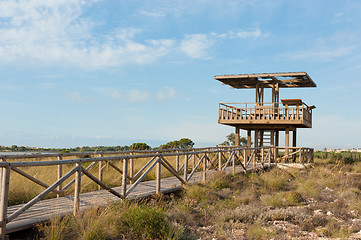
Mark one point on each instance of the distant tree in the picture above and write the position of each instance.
(181, 143)
(185, 143)
(139, 146)
(231, 140)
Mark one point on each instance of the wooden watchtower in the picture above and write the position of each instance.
(267, 119)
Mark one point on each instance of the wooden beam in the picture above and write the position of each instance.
(100, 183)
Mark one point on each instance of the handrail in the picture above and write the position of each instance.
(275, 111)
(258, 104)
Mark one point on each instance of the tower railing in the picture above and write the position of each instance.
(265, 111)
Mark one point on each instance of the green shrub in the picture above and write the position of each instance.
(274, 200)
(276, 179)
(56, 229)
(257, 231)
(219, 180)
(144, 222)
(293, 198)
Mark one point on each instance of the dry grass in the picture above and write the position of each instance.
(323, 200)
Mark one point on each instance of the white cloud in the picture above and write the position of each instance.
(166, 93)
(196, 45)
(57, 32)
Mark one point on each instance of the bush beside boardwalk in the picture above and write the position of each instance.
(321, 201)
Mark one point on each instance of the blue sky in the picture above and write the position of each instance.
(88, 73)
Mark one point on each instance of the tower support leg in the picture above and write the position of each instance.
(294, 139)
(287, 142)
(236, 135)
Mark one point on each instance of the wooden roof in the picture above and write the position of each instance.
(266, 80)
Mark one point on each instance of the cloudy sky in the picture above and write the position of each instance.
(87, 73)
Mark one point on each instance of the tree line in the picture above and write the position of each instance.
(181, 143)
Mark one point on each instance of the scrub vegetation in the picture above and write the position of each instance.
(323, 200)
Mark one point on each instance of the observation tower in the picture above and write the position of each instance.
(266, 120)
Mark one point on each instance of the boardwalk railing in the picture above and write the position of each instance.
(183, 164)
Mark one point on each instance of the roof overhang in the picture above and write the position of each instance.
(268, 80)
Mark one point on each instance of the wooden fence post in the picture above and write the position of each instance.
(60, 174)
(158, 175)
(205, 167)
(177, 161)
(131, 169)
(124, 177)
(262, 156)
(77, 189)
(100, 164)
(4, 199)
(245, 159)
(194, 160)
(219, 160)
(185, 175)
(255, 157)
(234, 163)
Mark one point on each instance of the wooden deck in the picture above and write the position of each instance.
(46, 209)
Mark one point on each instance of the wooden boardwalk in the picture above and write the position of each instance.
(204, 163)
(46, 209)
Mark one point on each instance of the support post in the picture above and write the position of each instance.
(60, 174)
(5, 179)
(219, 161)
(124, 177)
(131, 168)
(185, 174)
(277, 140)
(234, 164)
(158, 175)
(261, 137)
(256, 138)
(77, 189)
(272, 145)
(205, 167)
(177, 161)
(249, 143)
(193, 160)
(245, 160)
(287, 142)
(236, 142)
(100, 172)
(294, 139)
